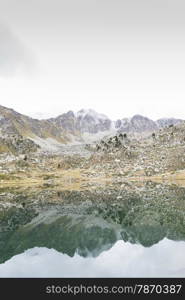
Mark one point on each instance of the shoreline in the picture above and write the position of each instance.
(77, 178)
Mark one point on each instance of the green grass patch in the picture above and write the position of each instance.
(8, 177)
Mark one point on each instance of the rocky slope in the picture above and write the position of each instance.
(16, 144)
(161, 152)
(12, 122)
(117, 158)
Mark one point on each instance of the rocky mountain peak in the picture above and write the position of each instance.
(164, 122)
(91, 113)
(70, 113)
(89, 121)
(139, 117)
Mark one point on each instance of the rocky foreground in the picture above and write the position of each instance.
(161, 156)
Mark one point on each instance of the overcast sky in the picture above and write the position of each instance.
(119, 57)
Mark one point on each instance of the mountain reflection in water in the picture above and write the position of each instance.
(164, 259)
(120, 230)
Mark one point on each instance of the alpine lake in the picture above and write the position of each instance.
(128, 229)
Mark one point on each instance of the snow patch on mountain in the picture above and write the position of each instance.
(91, 113)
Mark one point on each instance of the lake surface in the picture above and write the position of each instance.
(120, 230)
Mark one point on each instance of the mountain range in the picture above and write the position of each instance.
(73, 127)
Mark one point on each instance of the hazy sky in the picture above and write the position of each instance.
(119, 57)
